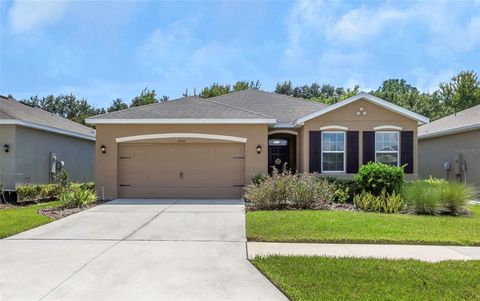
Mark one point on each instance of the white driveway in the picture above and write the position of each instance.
(136, 250)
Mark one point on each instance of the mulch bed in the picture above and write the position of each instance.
(60, 212)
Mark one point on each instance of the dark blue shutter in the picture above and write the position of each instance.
(406, 150)
(368, 147)
(315, 151)
(352, 151)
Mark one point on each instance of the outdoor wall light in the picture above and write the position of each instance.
(103, 149)
(6, 148)
(259, 149)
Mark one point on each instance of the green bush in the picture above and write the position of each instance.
(284, 190)
(62, 178)
(76, 197)
(258, 178)
(49, 191)
(28, 192)
(345, 189)
(423, 197)
(85, 185)
(375, 177)
(385, 202)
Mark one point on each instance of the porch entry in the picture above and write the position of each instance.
(281, 151)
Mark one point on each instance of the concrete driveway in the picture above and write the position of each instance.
(136, 250)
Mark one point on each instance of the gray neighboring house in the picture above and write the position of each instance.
(450, 147)
(31, 139)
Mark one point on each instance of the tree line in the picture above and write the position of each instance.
(460, 93)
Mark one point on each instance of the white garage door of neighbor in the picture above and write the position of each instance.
(181, 170)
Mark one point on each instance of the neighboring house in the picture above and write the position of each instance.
(449, 148)
(30, 137)
(211, 148)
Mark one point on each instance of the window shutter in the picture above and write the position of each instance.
(406, 150)
(368, 147)
(315, 151)
(352, 151)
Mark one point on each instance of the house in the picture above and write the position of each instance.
(34, 142)
(211, 148)
(449, 147)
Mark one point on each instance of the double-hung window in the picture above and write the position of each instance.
(387, 148)
(333, 151)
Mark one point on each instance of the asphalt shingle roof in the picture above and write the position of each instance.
(463, 119)
(11, 109)
(248, 104)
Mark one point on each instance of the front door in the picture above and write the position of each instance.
(277, 154)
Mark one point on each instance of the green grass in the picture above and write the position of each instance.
(16, 220)
(321, 278)
(362, 227)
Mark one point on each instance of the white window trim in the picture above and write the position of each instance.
(387, 152)
(334, 127)
(335, 152)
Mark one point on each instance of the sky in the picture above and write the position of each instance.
(101, 50)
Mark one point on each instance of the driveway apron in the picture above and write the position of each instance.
(136, 250)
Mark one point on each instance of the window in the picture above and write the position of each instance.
(333, 151)
(386, 148)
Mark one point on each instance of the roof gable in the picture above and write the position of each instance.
(368, 97)
(16, 113)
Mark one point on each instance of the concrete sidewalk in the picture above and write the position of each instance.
(424, 253)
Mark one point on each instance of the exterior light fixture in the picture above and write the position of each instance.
(103, 149)
(259, 149)
(6, 148)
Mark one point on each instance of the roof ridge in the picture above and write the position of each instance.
(237, 108)
(150, 104)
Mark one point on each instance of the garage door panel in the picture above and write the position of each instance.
(154, 170)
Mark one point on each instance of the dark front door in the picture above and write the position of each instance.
(277, 154)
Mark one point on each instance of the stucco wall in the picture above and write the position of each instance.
(33, 149)
(347, 117)
(107, 164)
(7, 160)
(434, 152)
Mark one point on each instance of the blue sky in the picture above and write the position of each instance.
(105, 50)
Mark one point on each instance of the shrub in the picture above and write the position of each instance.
(375, 177)
(423, 197)
(76, 197)
(385, 202)
(62, 178)
(28, 192)
(454, 197)
(49, 191)
(85, 185)
(258, 178)
(307, 192)
(345, 189)
(283, 190)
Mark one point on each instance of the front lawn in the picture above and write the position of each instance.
(16, 220)
(362, 227)
(321, 278)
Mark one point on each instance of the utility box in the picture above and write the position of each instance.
(53, 163)
(457, 161)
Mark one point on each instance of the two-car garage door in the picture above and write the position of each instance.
(181, 170)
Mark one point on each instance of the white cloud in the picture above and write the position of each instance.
(25, 16)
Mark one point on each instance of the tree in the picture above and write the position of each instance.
(66, 106)
(146, 97)
(217, 89)
(324, 93)
(117, 105)
(462, 92)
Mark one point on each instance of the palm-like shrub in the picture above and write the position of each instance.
(76, 197)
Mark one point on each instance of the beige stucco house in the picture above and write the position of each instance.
(211, 148)
(449, 147)
(32, 139)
